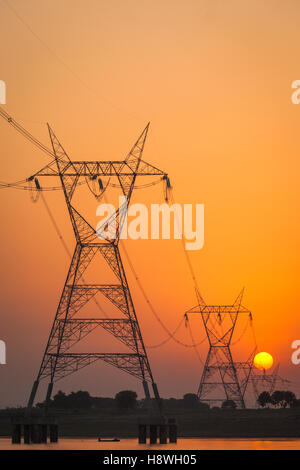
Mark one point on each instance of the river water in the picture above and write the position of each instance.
(182, 444)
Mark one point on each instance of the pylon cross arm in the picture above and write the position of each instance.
(68, 363)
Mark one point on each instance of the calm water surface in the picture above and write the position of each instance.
(182, 444)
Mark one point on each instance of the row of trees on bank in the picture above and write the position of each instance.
(124, 400)
(278, 399)
(127, 400)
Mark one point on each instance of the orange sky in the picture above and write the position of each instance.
(214, 78)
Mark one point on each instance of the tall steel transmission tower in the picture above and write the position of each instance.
(68, 327)
(221, 379)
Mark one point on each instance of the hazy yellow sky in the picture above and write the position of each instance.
(214, 78)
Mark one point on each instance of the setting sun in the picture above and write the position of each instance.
(263, 361)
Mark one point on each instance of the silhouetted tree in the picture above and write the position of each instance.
(277, 398)
(289, 397)
(295, 403)
(172, 402)
(282, 399)
(203, 406)
(80, 400)
(101, 402)
(75, 400)
(126, 400)
(60, 400)
(264, 399)
(228, 405)
(190, 400)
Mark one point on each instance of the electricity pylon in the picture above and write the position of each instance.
(265, 381)
(68, 328)
(220, 371)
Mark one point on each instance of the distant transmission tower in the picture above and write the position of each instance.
(68, 327)
(220, 378)
(264, 381)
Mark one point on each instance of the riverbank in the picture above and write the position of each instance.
(264, 423)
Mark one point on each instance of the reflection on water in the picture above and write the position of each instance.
(182, 444)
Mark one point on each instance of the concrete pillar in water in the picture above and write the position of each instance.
(53, 433)
(38, 433)
(43, 433)
(35, 433)
(16, 434)
(153, 433)
(26, 434)
(142, 433)
(31, 431)
(163, 433)
(172, 431)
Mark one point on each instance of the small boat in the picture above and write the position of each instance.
(115, 439)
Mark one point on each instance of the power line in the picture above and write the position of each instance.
(25, 133)
(194, 344)
(151, 307)
(63, 63)
(170, 335)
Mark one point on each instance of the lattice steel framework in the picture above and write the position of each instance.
(265, 381)
(68, 329)
(220, 372)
